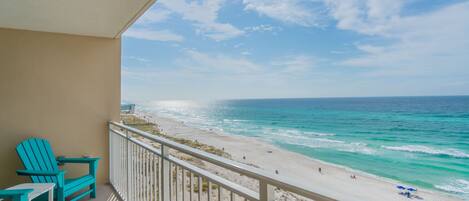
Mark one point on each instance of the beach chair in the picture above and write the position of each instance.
(42, 167)
(15, 195)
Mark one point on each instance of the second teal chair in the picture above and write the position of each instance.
(42, 166)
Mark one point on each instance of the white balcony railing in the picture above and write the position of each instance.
(145, 167)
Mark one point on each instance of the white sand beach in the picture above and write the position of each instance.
(334, 181)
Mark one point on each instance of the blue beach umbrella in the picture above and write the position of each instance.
(400, 187)
(411, 189)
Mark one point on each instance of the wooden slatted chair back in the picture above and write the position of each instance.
(36, 154)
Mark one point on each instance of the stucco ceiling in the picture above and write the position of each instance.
(101, 18)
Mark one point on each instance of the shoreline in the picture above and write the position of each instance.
(335, 179)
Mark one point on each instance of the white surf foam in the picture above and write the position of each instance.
(322, 142)
(458, 186)
(429, 150)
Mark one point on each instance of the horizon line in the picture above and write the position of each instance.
(323, 97)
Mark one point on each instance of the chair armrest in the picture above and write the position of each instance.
(15, 194)
(92, 162)
(77, 160)
(39, 172)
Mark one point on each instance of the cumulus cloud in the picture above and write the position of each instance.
(295, 64)
(155, 35)
(372, 17)
(289, 11)
(395, 48)
(263, 28)
(153, 16)
(199, 62)
(204, 16)
(423, 44)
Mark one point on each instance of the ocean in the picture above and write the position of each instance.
(419, 141)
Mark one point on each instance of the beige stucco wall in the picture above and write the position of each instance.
(60, 87)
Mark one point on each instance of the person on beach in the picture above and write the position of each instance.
(320, 170)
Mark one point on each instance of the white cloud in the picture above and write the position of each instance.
(202, 75)
(238, 45)
(194, 62)
(139, 59)
(337, 52)
(153, 16)
(204, 16)
(296, 64)
(288, 11)
(218, 31)
(371, 49)
(246, 53)
(199, 62)
(420, 54)
(372, 17)
(263, 28)
(432, 43)
(148, 34)
(221, 64)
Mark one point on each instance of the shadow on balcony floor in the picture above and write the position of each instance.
(105, 193)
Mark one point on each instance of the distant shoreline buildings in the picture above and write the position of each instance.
(128, 108)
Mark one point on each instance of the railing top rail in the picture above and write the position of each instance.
(275, 180)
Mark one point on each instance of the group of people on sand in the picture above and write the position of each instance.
(407, 191)
(352, 176)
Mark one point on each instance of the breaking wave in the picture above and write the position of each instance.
(458, 186)
(321, 142)
(429, 150)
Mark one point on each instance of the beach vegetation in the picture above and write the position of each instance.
(152, 128)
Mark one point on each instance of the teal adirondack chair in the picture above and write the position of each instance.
(15, 195)
(42, 167)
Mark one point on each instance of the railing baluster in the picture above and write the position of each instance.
(171, 181)
(147, 175)
(139, 173)
(183, 184)
(266, 191)
(209, 191)
(132, 170)
(200, 187)
(157, 177)
(219, 193)
(177, 181)
(165, 175)
(118, 170)
(135, 172)
(120, 165)
(191, 188)
(111, 155)
(150, 175)
(144, 174)
(137, 185)
(127, 167)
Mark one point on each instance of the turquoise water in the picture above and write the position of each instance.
(421, 141)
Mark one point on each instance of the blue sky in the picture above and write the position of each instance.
(217, 49)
